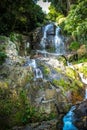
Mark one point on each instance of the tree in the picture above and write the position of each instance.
(76, 21)
(22, 15)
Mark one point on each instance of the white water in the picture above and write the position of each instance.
(57, 40)
(59, 44)
(84, 80)
(86, 93)
(38, 74)
(44, 38)
(70, 65)
(33, 63)
(43, 43)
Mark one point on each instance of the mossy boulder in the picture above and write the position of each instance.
(81, 115)
(82, 51)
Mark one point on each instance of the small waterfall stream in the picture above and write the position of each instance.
(52, 37)
(84, 81)
(37, 71)
(44, 38)
(38, 74)
(69, 119)
(86, 93)
(58, 40)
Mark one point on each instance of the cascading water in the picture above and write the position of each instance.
(86, 93)
(58, 40)
(30, 62)
(38, 74)
(44, 38)
(85, 82)
(37, 71)
(69, 119)
(52, 37)
(33, 64)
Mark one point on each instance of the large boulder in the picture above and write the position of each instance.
(81, 115)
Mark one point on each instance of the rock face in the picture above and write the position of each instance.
(45, 125)
(48, 38)
(81, 115)
(13, 70)
(35, 37)
(82, 51)
(52, 94)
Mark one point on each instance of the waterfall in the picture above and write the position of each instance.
(69, 119)
(30, 62)
(44, 38)
(37, 71)
(86, 93)
(58, 41)
(84, 80)
(52, 40)
(33, 64)
(38, 74)
(70, 65)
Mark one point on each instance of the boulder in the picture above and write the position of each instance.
(81, 115)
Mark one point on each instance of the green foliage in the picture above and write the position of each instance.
(52, 15)
(46, 70)
(74, 46)
(14, 37)
(2, 57)
(81, 60)
(21, 16)
(76, 22)
(16, 109)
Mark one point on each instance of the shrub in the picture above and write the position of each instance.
(74, 46)
(2, 57)
(16, 109)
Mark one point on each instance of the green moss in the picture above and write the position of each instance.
(62, 84)
(51, 49)
(70, 72)
(16, 37)
(46, 70)
(74, 46)
(3, 38)
(82, 60)
(58, 70)
(62, 59)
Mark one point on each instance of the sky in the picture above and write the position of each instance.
(44, 5)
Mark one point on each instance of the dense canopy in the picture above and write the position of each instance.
(19, 15)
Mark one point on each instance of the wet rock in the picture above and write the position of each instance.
(82, 51)
(45, 125)
(81, 115)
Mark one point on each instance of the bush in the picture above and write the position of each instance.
(76, 21)
(2, 57)
(16, 109)
(74, 46)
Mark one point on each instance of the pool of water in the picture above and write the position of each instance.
(68, 120)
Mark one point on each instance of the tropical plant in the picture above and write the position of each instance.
(76, 21)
